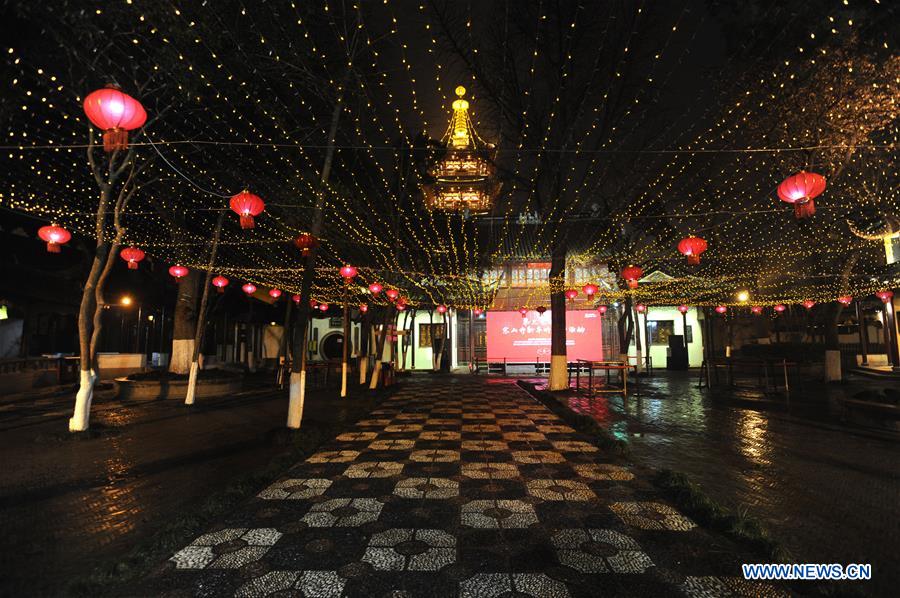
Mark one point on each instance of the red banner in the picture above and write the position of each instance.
(527, 339)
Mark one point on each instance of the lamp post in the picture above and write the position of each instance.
(348, 273)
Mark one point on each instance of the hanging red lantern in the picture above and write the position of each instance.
(274, 293)
(400, 306)
(477, 311)
(313, 303)
(632, 274)
(692, 247)
(441, 309)
(116, 113)
(756, 310)
(375, 288)
(305, 242)
(640, 308)
(523, 311)
(602, 309)
(845, 300)
(54, 236)
(392, 294)
(363, 308)
(247, 205)
(780, 308)
(590, 290)
(571, 294)
(249, 288)
(348, 272)
(296, 299)
(220, 282)
(801, 190)
(540, 309)
(885, 296)
(178, 271)
(323, 307)
(132, 255)
(808, 304)
(683, 309)
(721, 309)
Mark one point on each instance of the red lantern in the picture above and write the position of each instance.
(602, 309)
(363, 308)
(692, 247)
(132, 255)
(54, 236)
(296, 299)
(683, 309)
(247, 205)
(845, 300)
(400, 306)
(348, 272)
(571, 294)
(801, 189)
(477, 311)
(590, 290)
(721, 309)
(779, 308)
(274, 293)
(885, 296)
(305, 242)
(116, 113)
(220, 282)
(249, 288)
(375, 288)
(541, 309)
(178, 272)
(323, 307)
(313, 303)
(632, 274)
(808, 304)
(640, 308)
(523, 311)
(756, 310)
(392, 294)
(441, 309)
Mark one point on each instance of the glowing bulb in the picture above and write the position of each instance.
(743, 296)
(126, 300)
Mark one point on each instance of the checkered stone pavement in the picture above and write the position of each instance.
(457, 486)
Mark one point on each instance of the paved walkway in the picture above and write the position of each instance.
(456, 486)
(68, 505)
(828, 491)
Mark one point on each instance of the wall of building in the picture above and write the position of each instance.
(659, 352)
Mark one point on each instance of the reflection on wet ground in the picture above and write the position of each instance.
(68, 505)
(826, 489)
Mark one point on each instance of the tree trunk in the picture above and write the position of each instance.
(201, 317)
(559, 370)
(185, 323)
(297, 390)
(80, 420)
(379, 348)
(365, 331)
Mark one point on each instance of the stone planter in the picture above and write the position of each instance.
(152, 390)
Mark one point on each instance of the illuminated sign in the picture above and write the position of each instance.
(527, 339)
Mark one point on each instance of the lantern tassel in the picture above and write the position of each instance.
(53, 247)
(693, 260)
(632, 284)
(132, 265)
(221, 290)
(114, 140)
(246, 221)
(805, 209)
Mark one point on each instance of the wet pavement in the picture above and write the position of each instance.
(827, 489)
(455, 486)
(67, 505)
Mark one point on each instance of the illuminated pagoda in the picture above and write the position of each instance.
(464, 177)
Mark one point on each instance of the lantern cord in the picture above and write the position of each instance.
(182, 175)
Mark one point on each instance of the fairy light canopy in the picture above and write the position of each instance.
(614, 152)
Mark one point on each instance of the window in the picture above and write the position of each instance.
(660, 331)
(428, 333)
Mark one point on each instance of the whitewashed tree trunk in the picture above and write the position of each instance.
(297, 394)
(363, 368)
(192, 384)
(832, 365)
(376, 373)
(182, 355)
(81, 415)
(559, 372)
